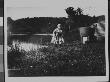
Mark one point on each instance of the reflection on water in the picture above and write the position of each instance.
(37, 39)
(25, 46)
(28, 42)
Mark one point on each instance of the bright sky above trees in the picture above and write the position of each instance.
(53, 8)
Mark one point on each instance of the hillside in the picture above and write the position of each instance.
(47, 24)
(101, 18)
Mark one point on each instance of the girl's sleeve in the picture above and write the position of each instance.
(54, 32)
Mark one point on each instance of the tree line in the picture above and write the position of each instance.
(75, 19)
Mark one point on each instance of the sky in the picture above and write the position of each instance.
(53, 8)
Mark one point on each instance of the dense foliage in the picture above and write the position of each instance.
(75, 19)
(65, 60)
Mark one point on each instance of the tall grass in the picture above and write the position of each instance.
(61, 60)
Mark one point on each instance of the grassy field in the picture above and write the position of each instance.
(38, 57)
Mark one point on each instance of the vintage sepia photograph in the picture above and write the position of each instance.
(49, 38)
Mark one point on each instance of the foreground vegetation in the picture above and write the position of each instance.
(72, 59)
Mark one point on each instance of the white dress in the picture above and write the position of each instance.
(57, 37)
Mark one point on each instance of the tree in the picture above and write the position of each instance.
(78, 18)
(79, 11)
(71, 12)
(71, 17)
(69, 22)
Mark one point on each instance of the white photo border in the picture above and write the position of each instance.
(53, 79)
